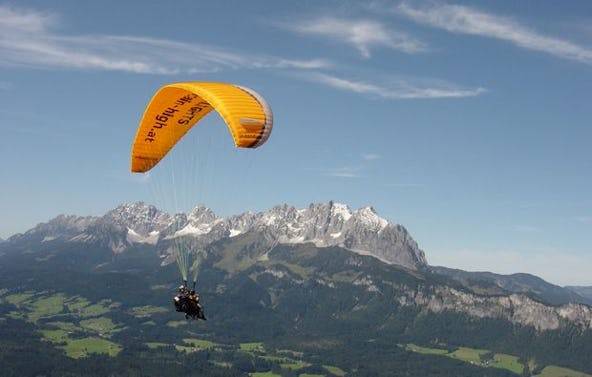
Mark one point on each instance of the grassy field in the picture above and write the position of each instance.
(284, 361)
(290, 353)
(252, 347)
(334, 370)
(76, 304)
(46, 307)
(233, 260)
(470, 355)
(55, 336)
(200, 343)
(147, 311)
(190, 345)
(265, 374)
(154, 345)
(36, 307)
(426, 351)
(77, 348)
(18, 298)
(554, 371)
(176, 323)
(102, 325)
(76, 322)
(80, 328)
(279, 359)
(185, 348)
(473, 356)
(100, 308)
(303, 272)
(508, 362)
(66, 326)
(294, 364)
(499, 360)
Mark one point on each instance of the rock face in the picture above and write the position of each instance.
(334, 224)
(517, 308)
(326, 224)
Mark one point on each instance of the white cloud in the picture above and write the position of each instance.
(466, 20)
(370, 156)
(526, 229)
(403, 185)
(344, 172)
(556, 267)
(584, 219)
(25, 21)
(27, 39)
(399, 90)
(361, 34)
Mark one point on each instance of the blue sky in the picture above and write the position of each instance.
(467, 122)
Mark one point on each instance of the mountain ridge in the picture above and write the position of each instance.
(518, 283)
(323, 224)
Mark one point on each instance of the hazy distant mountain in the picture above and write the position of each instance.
(582, 291)
(519, 283)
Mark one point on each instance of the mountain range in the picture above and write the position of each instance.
(323, 272)
(323, 225)
(329, 224)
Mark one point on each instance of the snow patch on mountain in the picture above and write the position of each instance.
(151, 238)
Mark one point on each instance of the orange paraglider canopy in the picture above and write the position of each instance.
(176, 108)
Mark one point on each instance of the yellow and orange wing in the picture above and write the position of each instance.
(176, 108)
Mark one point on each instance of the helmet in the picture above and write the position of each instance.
(181, 287)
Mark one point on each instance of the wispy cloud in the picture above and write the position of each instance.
(397, 90)
(344, 172)
(363, 35)
(25, 21)
(466, 20)
(404, 185)
(27, 39)
(584, 219)
(526, 229)
(370, 156)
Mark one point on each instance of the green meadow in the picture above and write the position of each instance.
(499, 360)
(75, 324)
(147, 311)
(555, 371)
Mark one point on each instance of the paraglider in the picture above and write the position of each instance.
(188, 302)
(171, 113)
(176, 108)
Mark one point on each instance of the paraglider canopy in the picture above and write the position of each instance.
(176, 108)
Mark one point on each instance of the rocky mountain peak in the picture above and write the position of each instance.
(60, 226)
(323, 224)
(368, 217)
(201, 214)
(141, 217)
